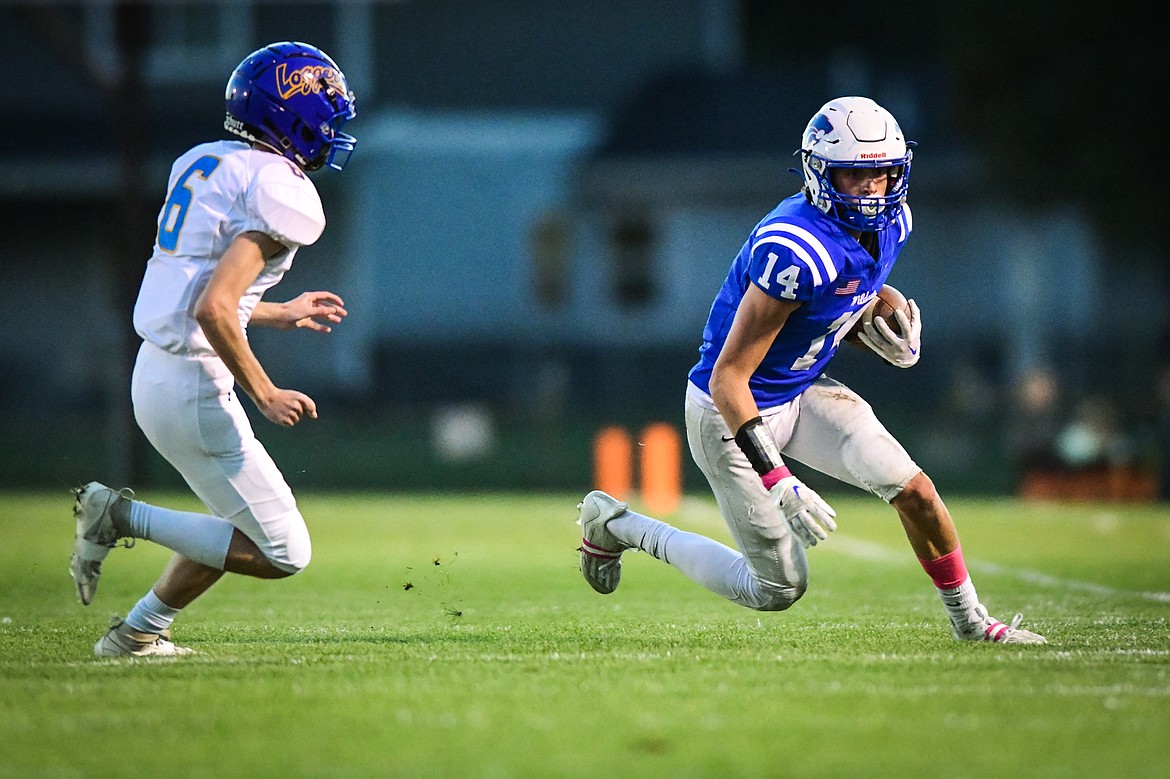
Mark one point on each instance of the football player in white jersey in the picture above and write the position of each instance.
(758, 393)
(235, 214)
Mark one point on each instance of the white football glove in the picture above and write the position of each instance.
(807, 513)
(902, 351)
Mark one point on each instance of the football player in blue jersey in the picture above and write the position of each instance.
(236, 213)
(759, 394)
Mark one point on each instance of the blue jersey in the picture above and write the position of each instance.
(795, 254)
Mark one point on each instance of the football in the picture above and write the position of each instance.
(888, 300)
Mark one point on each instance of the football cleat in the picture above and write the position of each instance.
(601, 551)
(121, 640)
(97, 533)
(986, 628)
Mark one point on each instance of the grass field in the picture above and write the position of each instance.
(453, 637)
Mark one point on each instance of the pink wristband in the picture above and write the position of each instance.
(773, 476)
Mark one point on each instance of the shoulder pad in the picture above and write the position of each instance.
(285, 204)
(799, 247)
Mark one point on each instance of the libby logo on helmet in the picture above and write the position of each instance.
(310, 78)
(819, 127)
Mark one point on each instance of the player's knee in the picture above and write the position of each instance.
(295, 561)
(918, 496)
(777, 597)
(292, 554)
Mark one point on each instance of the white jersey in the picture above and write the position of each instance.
(216, 192)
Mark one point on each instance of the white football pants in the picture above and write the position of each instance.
(189, 410)
(829, 428)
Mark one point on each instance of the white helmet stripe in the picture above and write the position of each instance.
(814, 243)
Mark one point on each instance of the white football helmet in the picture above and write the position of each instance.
(855, 132)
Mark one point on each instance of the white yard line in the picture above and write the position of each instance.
(867, 550)
(702, 512)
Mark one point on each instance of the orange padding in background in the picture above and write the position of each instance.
(613, 462)
(661, 468)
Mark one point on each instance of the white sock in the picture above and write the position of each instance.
(960, 602)
(199, 537)
(151, 615)
(703, 560)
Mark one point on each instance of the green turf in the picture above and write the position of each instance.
(499, 661)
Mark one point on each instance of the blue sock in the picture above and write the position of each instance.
(199, 537)
(151, 615)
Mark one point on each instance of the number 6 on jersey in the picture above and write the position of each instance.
(174, 212)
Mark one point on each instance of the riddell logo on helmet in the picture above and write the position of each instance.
(310, 78)
(875, 155)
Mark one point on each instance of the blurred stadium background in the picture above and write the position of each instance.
(545, 198)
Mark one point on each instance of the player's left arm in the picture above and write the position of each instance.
(286, 212)
(302, 311)
(903, 348)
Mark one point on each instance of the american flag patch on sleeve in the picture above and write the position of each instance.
(848, 287)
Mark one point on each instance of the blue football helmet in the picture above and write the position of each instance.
(292, 98)
(855, 132)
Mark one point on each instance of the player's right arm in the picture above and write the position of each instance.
(757, 323)
(217, 311)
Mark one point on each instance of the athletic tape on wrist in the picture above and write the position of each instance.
(755, 440)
